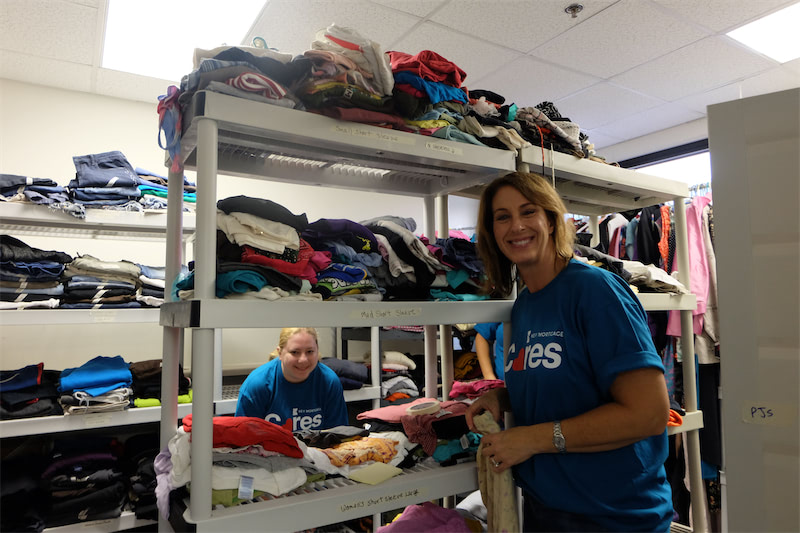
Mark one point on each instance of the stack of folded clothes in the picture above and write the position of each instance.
(95, 284)
(29, 392)
(99, 385)
(30, 277)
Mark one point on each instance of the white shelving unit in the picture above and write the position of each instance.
(223, 134)
(31, 219)
(243, 138)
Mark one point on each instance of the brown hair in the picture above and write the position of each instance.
(286, 334)
(537, 189)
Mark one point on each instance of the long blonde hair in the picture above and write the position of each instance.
(286, 334)
(537, 189)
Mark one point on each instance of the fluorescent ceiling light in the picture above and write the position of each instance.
(157, 38)
(774, 36)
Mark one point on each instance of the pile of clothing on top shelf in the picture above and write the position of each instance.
(266, 251)
(54, 481)
(32, 278)
(345, 76)
(102, 384)
(105, 181)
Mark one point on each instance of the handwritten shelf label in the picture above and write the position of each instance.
(769, 413)
(103, 315)
(395, 312)
(96, 420)
(364, 133)
(397, 498)
(444, 148)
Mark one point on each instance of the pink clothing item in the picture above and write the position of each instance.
(473, 389)
(419, 428)
(392, 413)
(698, 267)
(427, 517)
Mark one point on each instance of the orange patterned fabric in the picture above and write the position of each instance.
(356, 452)
(663, 244)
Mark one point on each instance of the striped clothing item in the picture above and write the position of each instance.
(258, 83)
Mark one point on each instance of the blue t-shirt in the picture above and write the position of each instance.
(493, 333)
(569, 342)
(316, 403)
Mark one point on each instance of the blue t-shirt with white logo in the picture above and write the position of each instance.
(316, 403)
(493, 333)
(569, 342)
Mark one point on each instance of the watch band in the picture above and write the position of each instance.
(559, 441)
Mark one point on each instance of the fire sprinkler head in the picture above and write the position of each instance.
(573, 9)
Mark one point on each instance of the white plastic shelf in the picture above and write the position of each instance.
(271, 142)
(29, 218)
(127, 520)
(691, 421)
(258, 314)
(593, 188)
(26, 317)
(65, 423)
(340, 499)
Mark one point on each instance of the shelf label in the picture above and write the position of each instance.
(769, 414)
(444, 148)
(397, 498)
(395, 312)
(366, 133)
(97, 420)
(103, 315)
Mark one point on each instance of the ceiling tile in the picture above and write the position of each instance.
(602, 104)
(528, 81)
(613, 40)
(130, 86)
(777, 79)
(601, 140)
(475, 57)
(45, 71)
(419, 8)
(89, 3)
(519, 24)
(372, 21)
(57, 30)
(723, 15)
(655, 119)
(701, 66)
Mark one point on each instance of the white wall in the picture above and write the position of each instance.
(42, 128)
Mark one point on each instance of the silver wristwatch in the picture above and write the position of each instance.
(558, 438)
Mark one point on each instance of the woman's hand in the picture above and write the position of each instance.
(508, 448)
(495, 401)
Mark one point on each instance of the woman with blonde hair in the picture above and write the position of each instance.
(583, 379)
(293, 390)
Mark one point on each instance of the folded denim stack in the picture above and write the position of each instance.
(105, 179)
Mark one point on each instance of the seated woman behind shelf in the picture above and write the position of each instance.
(294, 390)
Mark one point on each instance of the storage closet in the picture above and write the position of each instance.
(24, 219)
(224, 134)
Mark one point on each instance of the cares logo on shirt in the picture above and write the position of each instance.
(535, 355)
(298, 422)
